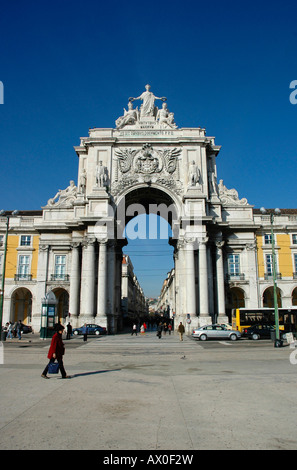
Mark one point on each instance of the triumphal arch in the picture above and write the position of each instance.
(146, 163)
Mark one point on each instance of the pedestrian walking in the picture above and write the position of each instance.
(9, 331)
(14, 329)
(169, 328)
(134, 329)
(159, 330)
(56, 352)
(181, 330)
(85, 332)
(19, 328)
(68, 330)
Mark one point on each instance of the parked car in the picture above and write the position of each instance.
(215, 332)
(260, 331)
(27, 329)
(92, 329)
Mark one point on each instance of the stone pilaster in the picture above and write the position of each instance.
(220, 283)
(101, 318)
(204, 317)
(74, 282)
(88, 281)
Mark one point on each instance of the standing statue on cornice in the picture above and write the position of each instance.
(148, 102)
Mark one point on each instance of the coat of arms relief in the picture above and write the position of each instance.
(148, 164)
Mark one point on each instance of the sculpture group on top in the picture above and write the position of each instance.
(147, 111)
(157, 164)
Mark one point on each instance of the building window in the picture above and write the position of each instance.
(269, 265)
(267, 239)
(60, 266)
(24, 267)
(25, 240)
(233, 265)
(294, 238)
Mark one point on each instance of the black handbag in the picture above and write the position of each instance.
(53, 368)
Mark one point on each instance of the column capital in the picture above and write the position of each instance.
(43, 247)
(103, 241)
(219, 243)
(203, 241)
(88, 242)
(75, 244)
(251, 246)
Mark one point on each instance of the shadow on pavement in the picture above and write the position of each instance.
(94, 372)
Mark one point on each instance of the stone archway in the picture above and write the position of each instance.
(146, 160)
(294, 297)
(136, 211)
(268, 297)
(62, 309)
(235, 298)
(21, 305)
(148, 199)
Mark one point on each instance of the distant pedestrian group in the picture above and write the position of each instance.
(13, 330)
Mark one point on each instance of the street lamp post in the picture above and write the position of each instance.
(2, 212)
(277, 342)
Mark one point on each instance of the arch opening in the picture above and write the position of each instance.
(150, 217)
(268, 297)
(21, 305)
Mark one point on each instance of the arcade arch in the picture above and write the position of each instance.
(294, 297)
(62, 308)
(21, 305)
(235, 298)
(268, 297)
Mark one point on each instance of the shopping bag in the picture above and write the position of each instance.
(53, 368)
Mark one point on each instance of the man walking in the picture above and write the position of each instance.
(181, 330)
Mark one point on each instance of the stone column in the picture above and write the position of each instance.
(190, 278)
(252, 278)
(88, 282)
(74, 283)
(101, 318)
(111, 288)
(203, 283)
(220, 282)
(118, 288)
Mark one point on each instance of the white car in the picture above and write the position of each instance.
(215, 332)
(228, 326)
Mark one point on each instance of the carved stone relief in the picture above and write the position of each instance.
(147, 165)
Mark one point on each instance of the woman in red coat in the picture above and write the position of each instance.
(56, 351)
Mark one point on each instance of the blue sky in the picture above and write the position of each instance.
(227, 66)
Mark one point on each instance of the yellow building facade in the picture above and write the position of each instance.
(285, 239)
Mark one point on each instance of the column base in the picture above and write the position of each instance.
(202, 321)
(84, 318)
(222, 319)
(101, 320)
